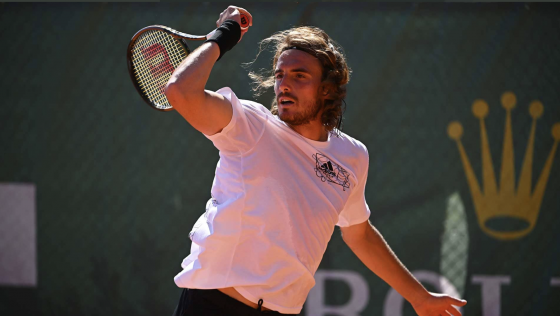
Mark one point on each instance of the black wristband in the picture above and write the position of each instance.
(226, 36)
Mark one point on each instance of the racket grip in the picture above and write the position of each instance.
(244, 21)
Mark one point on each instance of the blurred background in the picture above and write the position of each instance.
(98, 191)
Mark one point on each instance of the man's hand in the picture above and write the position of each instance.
(438, 304)
(234, 13)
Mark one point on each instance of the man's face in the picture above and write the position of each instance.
(298, 79)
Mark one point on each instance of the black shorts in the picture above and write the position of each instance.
(195, 302)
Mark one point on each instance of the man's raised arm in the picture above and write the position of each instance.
(207, 111)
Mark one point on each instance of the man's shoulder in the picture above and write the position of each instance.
(350, 142)
(249, 105)
(254, 106)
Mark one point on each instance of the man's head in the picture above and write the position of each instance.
(309, 75)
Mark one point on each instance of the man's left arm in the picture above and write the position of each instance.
(372, 249)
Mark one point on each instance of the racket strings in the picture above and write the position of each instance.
(155, 55)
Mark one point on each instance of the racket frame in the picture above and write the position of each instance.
(180, 36)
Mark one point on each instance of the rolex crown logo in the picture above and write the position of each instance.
(506, 202)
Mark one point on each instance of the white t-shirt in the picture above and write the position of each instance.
(276, 198)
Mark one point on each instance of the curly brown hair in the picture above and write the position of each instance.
(336, 72)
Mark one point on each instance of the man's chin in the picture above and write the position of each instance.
(285, 117)
(293, 121)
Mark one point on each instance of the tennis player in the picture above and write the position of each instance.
(286, 177)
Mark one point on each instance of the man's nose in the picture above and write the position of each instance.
(284, 84)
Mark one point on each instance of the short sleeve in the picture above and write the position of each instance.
(356, 210)
(245, 128)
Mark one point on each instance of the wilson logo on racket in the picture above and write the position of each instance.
(158, 61)
(494, 204)
(152, 55)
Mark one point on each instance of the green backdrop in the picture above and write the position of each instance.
(119, 185)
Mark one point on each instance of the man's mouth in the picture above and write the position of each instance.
(286, 101)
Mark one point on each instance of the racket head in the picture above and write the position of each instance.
(153, 53)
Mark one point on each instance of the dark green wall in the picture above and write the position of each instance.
(120, 185)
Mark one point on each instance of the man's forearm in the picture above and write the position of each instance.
(376, 254)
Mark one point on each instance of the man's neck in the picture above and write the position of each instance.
(314, 130)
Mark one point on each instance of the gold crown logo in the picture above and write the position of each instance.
(506, 202)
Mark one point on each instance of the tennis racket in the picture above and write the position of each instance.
(153, 54)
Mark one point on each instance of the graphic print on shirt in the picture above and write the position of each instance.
(330, 171)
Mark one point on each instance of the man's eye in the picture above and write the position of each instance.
(300, 76)
(279, 76)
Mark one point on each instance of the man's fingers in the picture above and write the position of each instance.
(453, 311)
(456, 302)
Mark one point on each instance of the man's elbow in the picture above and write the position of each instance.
(171, 89)
(178, 97)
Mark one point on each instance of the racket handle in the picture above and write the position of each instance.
(244, 21)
